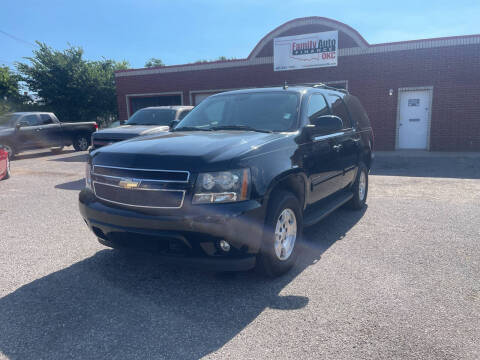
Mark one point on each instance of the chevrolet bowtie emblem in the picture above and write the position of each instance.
(129, 183)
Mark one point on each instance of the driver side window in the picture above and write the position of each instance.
(317, 106)
(29, 120)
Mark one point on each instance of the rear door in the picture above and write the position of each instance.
(321, 159)
(346, 144)
(51, 133)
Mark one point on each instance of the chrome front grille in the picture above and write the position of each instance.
(142, 188)
(147, 174)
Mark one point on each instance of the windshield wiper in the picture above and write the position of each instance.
(191, 128)
(240, 127)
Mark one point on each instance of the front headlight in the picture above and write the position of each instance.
(88, 176)
(223, 186)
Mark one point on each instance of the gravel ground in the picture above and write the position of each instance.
(400, 279)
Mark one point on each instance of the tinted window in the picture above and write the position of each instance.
(46, 119)
(357, 111)
(339, 109)
(273, 111)
(183, 114)
(30, 120)
(152, 117)
(317, 106)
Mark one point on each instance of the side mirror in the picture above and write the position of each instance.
(174, 123)
(326, 124)
(18, 125)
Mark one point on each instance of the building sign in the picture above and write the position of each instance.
(305, 51)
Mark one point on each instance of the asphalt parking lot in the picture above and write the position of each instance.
(400, 279)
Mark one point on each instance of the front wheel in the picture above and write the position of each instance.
(360, 188)
(283, 229)
(81, 143)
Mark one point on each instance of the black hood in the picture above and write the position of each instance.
(6, 130)
(128, 131)
(184, 150)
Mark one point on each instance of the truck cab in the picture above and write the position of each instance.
(22, 131)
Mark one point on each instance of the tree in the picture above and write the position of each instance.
(220, 58)
(154, 62)
(72, 87)
(10, 98)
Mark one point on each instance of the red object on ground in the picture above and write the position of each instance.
(4, 165)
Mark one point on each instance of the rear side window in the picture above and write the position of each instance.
(317, 106)
(46, 119)
(339, 109)
(358, 112)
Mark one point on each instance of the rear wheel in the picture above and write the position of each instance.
(360, 188)
(81, 143)
(283, 230)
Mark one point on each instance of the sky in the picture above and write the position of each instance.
(180, 32)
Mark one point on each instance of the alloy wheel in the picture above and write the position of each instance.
(285, 234)
(362, 186)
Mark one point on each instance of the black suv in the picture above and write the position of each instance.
(234, 183)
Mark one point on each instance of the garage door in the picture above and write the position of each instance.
(140, 102)
(198, 98)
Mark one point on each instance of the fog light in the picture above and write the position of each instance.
(225, 246)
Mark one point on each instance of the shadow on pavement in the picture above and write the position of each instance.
(462, 167)
(121, 305)
(44, 153)
(72, 185)
(76, 158)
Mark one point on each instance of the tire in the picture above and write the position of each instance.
(10, 150)
(81, 143)
(276, 260)
(359, 196)
(57, 150)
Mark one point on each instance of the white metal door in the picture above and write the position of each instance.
(413, 119)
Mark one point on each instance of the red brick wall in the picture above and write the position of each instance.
(454, 73)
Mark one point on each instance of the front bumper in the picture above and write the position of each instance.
(189, 235)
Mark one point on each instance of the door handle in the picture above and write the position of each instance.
(38, 129)
(337, 147)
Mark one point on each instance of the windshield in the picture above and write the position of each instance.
(260, 111)
(8, 120)
(152, 117)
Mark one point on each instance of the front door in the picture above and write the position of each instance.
(28, 136)
(413, 122)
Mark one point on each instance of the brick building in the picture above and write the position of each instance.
(422, 94)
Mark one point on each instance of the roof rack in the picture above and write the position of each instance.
(323, 86)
